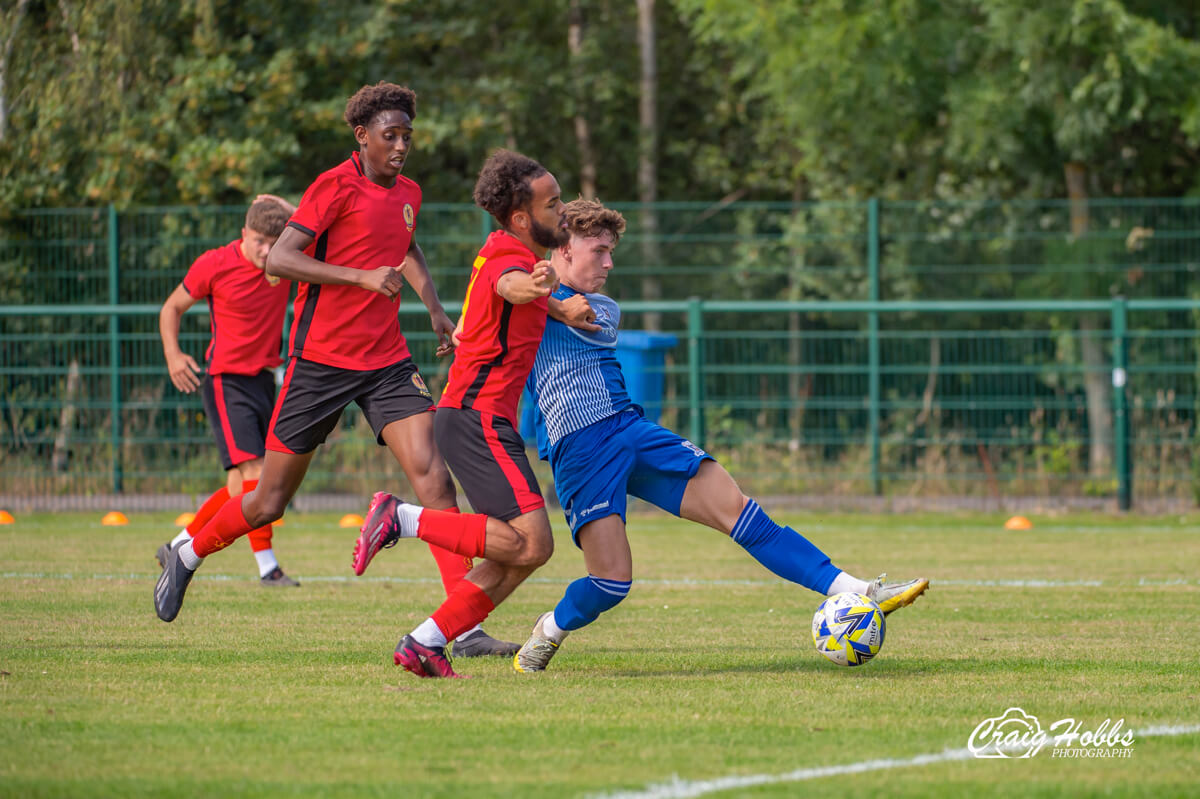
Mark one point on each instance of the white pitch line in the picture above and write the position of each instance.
(686, 789)
(674, 582)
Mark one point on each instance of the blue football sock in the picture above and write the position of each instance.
(586, 599)
(783, 550)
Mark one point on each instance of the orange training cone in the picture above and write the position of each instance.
(6, 517)
(184, 519)
(351, 520)
(114, 518)
(1018, 523)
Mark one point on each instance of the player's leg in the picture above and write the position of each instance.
(712, 497)
(609, 563)
(308, 408)
(270, 573)
(513, 538)
(591, 472)
(411, 441)
(215, 398)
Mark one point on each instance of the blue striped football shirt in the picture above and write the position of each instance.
(576, 378)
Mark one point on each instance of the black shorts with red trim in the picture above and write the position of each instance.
(487, 455)
(314, 395)
(239, 412)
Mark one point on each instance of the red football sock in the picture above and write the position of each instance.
(260, 539)
(452, 566)
(228, 525)
(208, 510)
(466, 606)
(462, 533)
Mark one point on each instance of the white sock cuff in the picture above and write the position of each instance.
(552, 630)
(266, 562)
(183, 537)
(187, 553)
(429, 634)
(409, 517)
(846, 582)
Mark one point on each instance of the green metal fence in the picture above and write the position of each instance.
(844, 383)
(1141, 249)
(989, 399)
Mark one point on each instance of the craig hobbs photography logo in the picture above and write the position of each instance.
(1017, 734)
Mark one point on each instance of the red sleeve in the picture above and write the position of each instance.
(498, 266)
(198, 280)
(320, 206)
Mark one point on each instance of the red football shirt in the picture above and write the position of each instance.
(358, 224)
(499, 340)
(246, 306)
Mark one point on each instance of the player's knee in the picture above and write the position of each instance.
(263, 506)
(538, 549)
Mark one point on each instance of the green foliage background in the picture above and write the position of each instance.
(138, 102)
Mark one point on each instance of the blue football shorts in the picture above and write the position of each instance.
(596, 468)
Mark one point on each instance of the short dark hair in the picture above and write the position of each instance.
(503, 185)
(589, 218)
(368, 101)
(267, 217)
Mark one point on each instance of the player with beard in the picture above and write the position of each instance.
(503, 316)
(351, 245)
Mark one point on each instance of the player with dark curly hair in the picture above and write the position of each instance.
(503, 317)
(351, 247)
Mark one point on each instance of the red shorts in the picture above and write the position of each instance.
(239, 412)
(487, 456)
(314, 395)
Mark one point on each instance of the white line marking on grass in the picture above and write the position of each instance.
(675, 582)
(685, 789)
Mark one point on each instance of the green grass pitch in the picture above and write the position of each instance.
(706, 673)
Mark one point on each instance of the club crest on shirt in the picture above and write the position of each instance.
(272, 280)
(421, 387)
(410, 217)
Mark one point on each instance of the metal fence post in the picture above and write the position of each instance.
(485, 226)
(1120, 377)
(873, 356)
(696, 371)
(114, 347)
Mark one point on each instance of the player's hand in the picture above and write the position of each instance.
(456, 336)
(287, 206)
(444, 329)
(545, 281)
(184, 372)
(577, 312)
(385, 280)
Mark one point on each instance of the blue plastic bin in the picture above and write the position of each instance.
(642, 355)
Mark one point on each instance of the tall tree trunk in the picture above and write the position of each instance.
(579, 79)
(648, 157)
(9, 40)
(799, 255)
(1097, 379)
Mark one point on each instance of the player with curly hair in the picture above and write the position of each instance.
(351, 246)
(601, 449)
(503, 317)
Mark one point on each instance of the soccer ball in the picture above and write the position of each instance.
(848, 629)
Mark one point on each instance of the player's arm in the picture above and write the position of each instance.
(574, 311)
(182, 368)
(275, 198)
(416, 272)
(519, 287)
(287, 259)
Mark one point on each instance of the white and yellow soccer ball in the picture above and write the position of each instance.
(848, 629)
